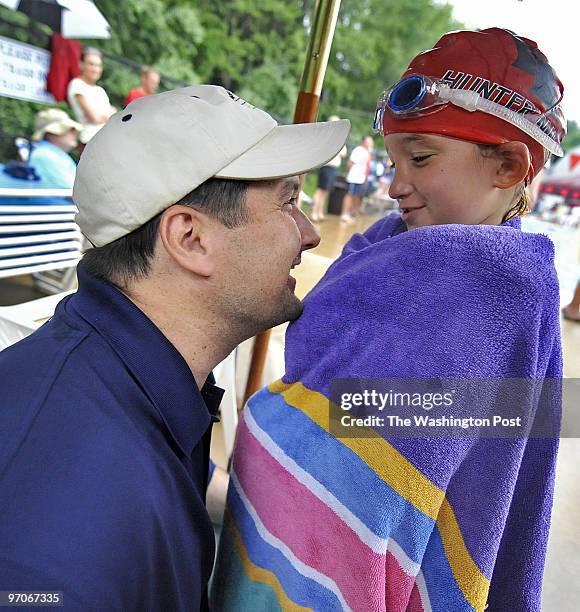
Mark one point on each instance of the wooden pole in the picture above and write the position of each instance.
(317, 54)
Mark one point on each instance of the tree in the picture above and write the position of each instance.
(255, 49)
(164, 33)
(572, 137)
(374, 43)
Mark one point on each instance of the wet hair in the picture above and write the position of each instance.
(522, 206)
(129, 258)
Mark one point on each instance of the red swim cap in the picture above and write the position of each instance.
(500, 66)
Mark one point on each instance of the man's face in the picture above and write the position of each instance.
(67, 141)
(256, 290)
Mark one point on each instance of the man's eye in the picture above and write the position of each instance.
(291, 202)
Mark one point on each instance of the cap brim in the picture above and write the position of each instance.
(289, 150)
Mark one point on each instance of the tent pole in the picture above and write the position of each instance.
(317, 54)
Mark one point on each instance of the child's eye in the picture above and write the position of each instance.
(418, 159)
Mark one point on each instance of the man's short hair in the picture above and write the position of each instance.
(129, 258)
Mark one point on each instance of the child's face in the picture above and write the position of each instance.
(441, 180)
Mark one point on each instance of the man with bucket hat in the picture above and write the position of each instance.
(55, 136)
(190, 200)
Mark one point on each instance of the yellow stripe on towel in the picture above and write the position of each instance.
(404, 478)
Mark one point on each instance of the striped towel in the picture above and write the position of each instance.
(379, 523)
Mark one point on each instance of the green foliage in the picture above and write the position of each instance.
(373, 45)
(154, 32)
(572, 137)
(158, 33)
(16, 119)
(256, 49)
(264, 88)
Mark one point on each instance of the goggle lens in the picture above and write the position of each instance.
(407, 94)
(414, 94)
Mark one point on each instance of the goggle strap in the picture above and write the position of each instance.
(472, 101)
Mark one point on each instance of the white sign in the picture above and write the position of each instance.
(23, 70)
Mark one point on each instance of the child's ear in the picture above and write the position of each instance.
(514, 164)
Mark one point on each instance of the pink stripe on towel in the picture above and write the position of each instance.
(314, 533)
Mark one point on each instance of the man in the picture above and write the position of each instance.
(149, 84)
(49, 162)
(55, 137)
(190, 201)
(358, 171)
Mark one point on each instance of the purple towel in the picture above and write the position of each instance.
(441, 523)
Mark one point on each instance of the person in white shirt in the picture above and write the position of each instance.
(358, 169)
(89, 101)
(326, 178)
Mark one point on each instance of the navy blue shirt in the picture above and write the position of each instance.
(104, 442)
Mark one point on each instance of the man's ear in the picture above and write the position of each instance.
(187, 238)
(514, 165)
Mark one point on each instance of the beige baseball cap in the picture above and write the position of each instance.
(161, 147)
(53, 121)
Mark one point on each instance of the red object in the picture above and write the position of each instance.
(568, 188)
(134, 94)
(574, 159)
(64, 65)
(505, 68)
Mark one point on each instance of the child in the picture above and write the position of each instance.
(449, 290)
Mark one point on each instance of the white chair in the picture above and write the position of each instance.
(19, 321)
(40, 239)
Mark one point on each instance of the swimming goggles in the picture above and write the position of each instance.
(417, 95)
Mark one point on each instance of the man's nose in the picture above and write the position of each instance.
(310, 236)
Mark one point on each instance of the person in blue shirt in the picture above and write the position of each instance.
(189, 199)
(49, 164)
(55, 137)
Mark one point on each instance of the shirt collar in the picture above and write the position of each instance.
(152, 359)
